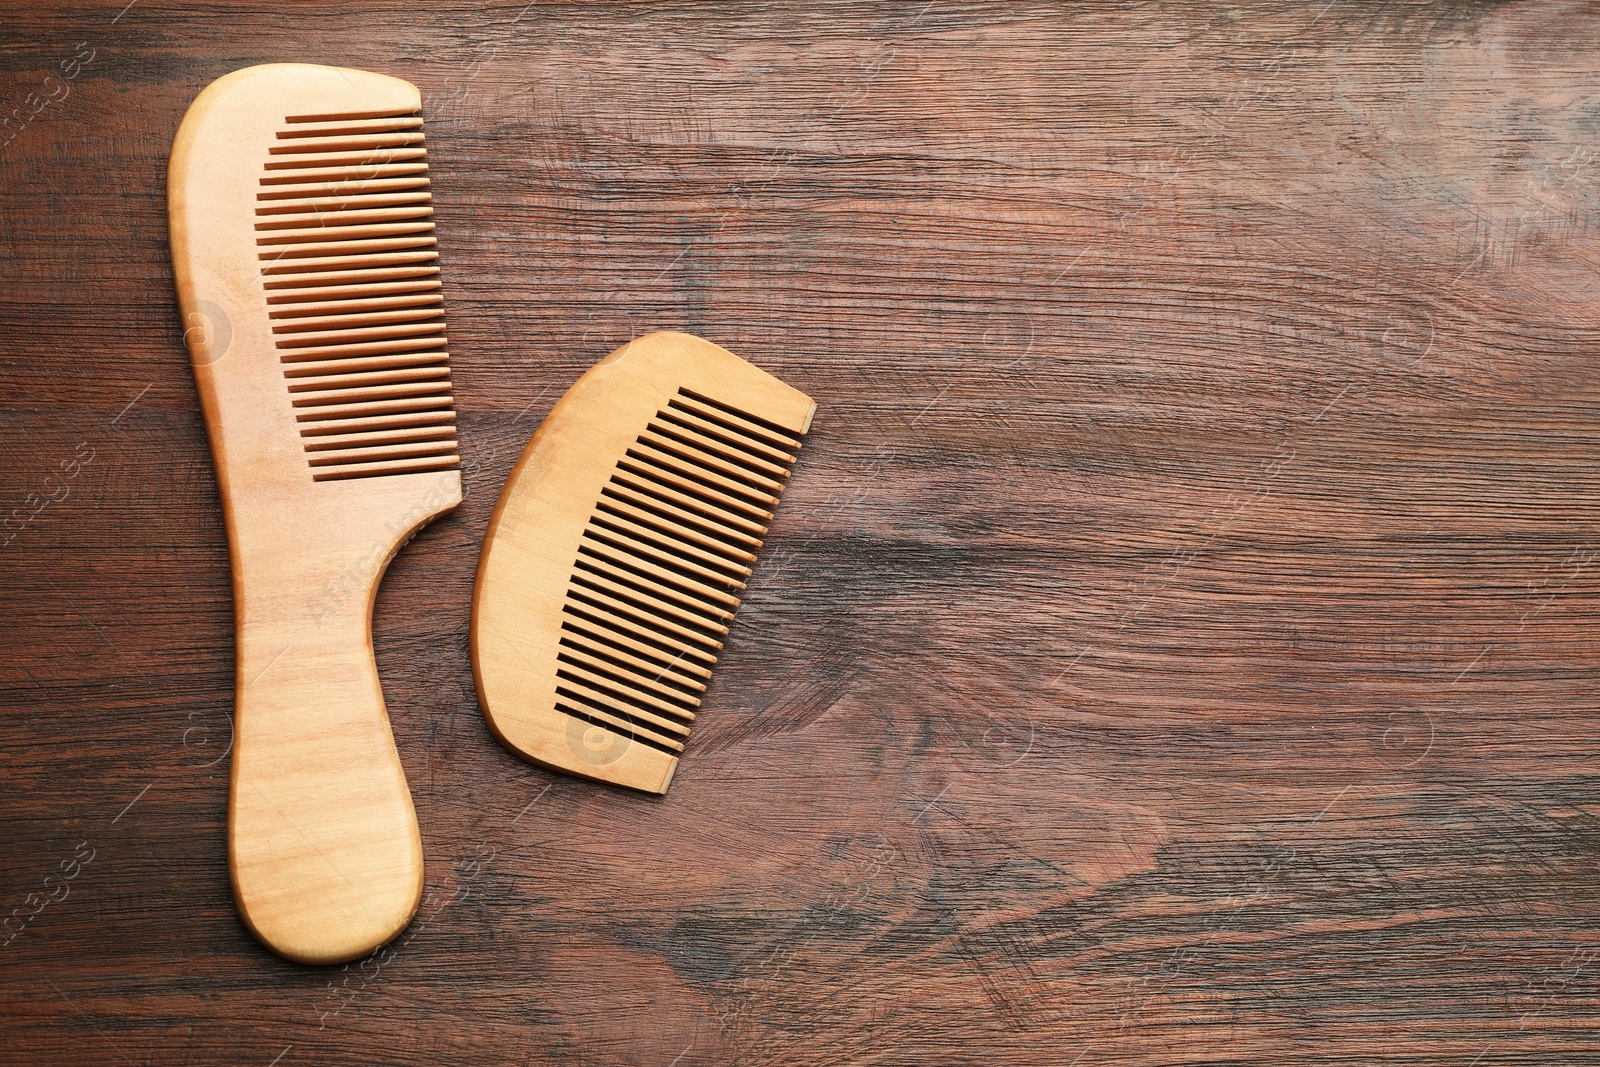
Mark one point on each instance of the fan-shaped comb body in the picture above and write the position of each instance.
(617, 551)
(302, 247)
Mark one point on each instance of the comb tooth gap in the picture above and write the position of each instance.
(349, 267)
(432, 416)
(698, 484)
(602, 699)
(576, 668)
(706, 429)
(658, 565)
(337, 314)
(359, 340)
(343, 210)
(664, 495)
(377, 451)
(350, 163)
(409, 406)
(418, 428)
(665, 610)
(650, 509)
(579, 683)
(669, 549)
(325, 393)
(421, 394)
(396, 436)
(341, 177)
(673, 677)
(428, 346)
(287, 316)
(420, 390)
(350, 154)
(710, 458)
(389, 327)
(593, 596)
(670, 532)
(783, 433)
(343, 234)
(415, 466)
(334, 222)
(334, 370)
(653, 674)
(357, 314)
(672, 559)
(685, 466)
(754, 438)
(739, 547)
(335, 415)
(372, 143)
(587, 613)
(352, 124)
(313, 425)
(617, 727)
(681, 606)
(593, 698)
(404, 279)
(438, 373)
(331, 140)
(350, 116)
(375, 246)
(660, 576)
(674, 707)
(363, 459)
(618, 721)
(688, 671)
(344, 375)
(314, 192)
(643, 478)
(348, 130)
(382, 453)
(764, 475)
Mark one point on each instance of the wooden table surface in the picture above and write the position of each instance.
(1177, 644)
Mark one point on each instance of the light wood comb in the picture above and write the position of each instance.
(615, 556)
(303, 252)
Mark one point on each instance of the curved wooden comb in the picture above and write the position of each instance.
(303, 250)
(616, 553)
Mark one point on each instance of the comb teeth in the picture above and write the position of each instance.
(345, 239)
(660, 566)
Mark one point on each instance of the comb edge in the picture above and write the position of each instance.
(524, 560)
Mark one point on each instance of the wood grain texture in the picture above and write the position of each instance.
(1176, 646)
(333, 445)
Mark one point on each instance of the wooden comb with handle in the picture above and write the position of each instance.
(303, 252)
(615, 556)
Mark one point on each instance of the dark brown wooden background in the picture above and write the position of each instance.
(1179, 644)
